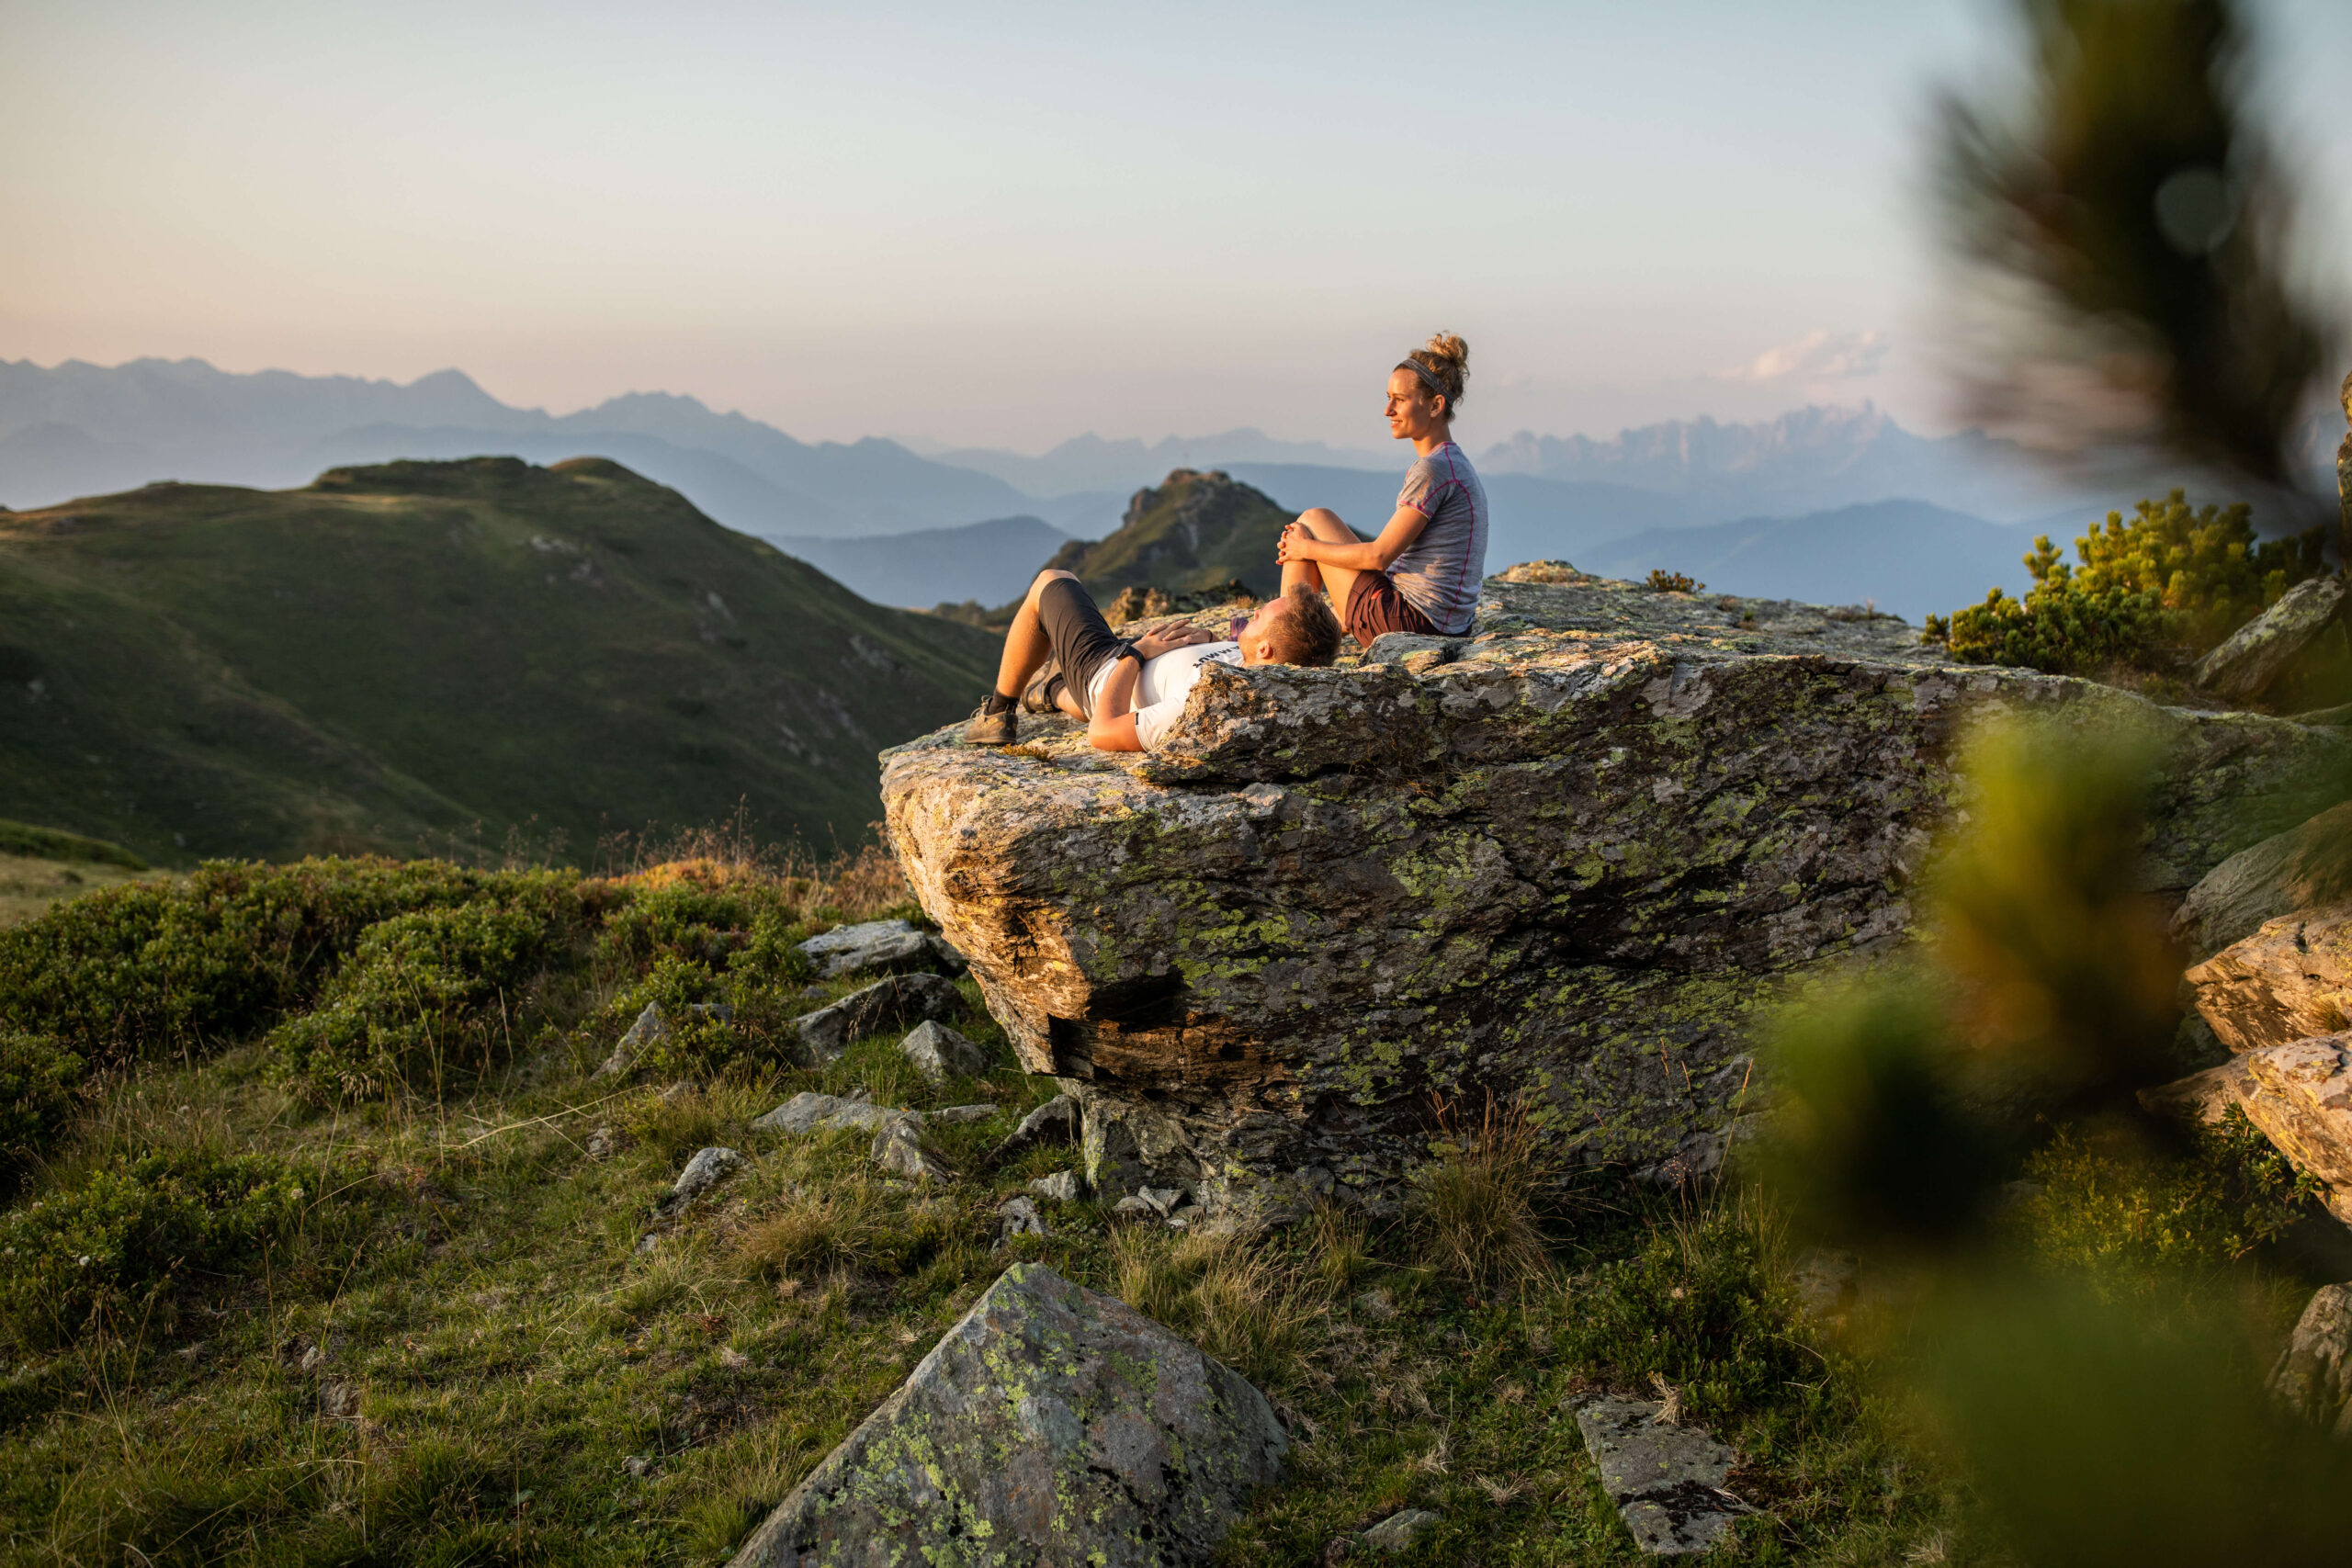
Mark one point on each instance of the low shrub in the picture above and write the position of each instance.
(159, 971)
(116, 1242)
(38, 1081)
(2152, 593)
(427, 997)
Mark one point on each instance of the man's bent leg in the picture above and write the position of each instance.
(997, 721)
(1336, 581)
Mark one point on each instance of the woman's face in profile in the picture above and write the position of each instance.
(1411, 414)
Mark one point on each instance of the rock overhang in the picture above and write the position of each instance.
(1564, 858)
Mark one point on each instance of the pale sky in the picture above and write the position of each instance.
(1009, 224)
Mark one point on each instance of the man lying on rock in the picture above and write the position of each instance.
(1061, 656)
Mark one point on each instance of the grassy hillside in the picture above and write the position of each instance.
(399, 654)
(1195, 531)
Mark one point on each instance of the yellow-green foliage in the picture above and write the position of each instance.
(37, 1083)
(2150, 593)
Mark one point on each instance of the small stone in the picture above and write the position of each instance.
(638, 1465)
(1376, 1304)
(339, 1399)
(1019, 1216)
(899, 1149)
(1400, 1530)
(1062, 1187)
(939, 1053)
(1161, 1201)
(311, 1358)
(1667, 1480)
(604, 1143)
(717, 1012)
(954, 1114)
(706, 1170)
(649, 1029)
(1055, 1121)
(733, 1358)
(828, 1032)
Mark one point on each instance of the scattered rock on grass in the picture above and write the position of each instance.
(952, 1114)
(939, 1053)
(1062, 1187)
(604, 1143)
(649, 1029)
(1400, 1530)
(899, 1149)
(706, 1170)
(339, 1399)
(1161, 1201)
(879, 944)
(1667, 1480)
(637, 1466)
(810, 1112)
(1019, 1216)
(1055, 1121)
(828, 1032)
(2313, 1377)
(1053, 1423)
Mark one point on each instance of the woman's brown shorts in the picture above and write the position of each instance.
(1374, 606)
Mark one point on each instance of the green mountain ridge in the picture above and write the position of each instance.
(1196, 530)
(396, 655)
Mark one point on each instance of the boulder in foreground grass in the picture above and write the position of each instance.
(901, 999)
(811, 1113)
(1050, 1425)
(650, 1029)
(1666, 1479)
(938, 1052)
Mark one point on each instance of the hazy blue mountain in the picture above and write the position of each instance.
(1906, 556)
(84, 429)
(991, 561)
(1814, 459)
(1090, 463)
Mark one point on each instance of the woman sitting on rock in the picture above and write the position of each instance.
(1422, 573)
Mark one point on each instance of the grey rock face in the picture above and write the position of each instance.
(1568, 857)
(810, 1112)
(2289, 981)
(901, 999)
(1055, 1425)
(879, 944)
(1400, 1530)
(707, 1168)
(939, 1053)
(2243, 668)
(1667, 1480)
(2313, 1377)
(650, 1028)
(2302, 868)
(899, 1148)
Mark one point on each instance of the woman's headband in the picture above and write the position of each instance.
(1428, 378)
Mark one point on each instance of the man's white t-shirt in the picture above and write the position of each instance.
(1164, 684)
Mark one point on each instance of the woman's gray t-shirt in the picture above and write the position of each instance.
(1439, 572)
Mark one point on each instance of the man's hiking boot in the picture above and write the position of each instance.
(992, 729)
(1038, 696)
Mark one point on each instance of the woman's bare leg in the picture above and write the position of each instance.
(1026, 647)
(1336, 581)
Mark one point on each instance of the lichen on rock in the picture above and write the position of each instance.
(1562, 861)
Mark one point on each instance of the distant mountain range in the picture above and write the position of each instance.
(81, 429)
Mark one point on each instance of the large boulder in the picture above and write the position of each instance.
(2289, 980)
(1564, 858)
(1051, 1426)
(2301, 1099)
(2261, 654)
(2302, 868)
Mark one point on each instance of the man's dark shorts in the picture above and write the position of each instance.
(1374, 606)
(1082, 639)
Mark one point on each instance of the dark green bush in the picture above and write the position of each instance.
(37, 1085)
(2152, 593)
(701, 925)
(177, 970)
(427, 997)
(119, 1239)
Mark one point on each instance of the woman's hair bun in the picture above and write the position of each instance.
(1447, 358)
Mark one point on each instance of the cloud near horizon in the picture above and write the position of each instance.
(1819, 356)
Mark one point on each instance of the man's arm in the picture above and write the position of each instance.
(1298, 543)
(1112, 728)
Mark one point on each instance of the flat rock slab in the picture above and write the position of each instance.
(811, 1113)
(1667, 1480)
(901, 999)
(1052, 1425)
(878, 944)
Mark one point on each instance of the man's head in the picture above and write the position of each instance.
(1295, 628)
